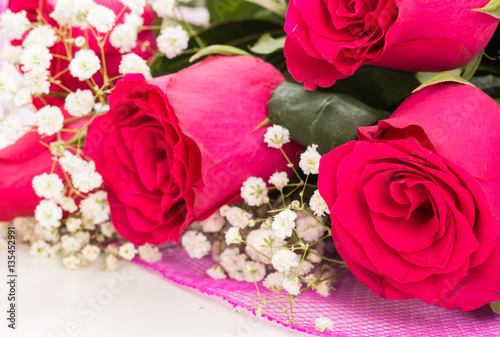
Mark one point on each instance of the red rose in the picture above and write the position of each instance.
(329, 40)
(112, 55)
(174, 149)
(415, 205)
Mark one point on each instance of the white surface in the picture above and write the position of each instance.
(135, 301)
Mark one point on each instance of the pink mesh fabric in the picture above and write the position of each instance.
(354, 310)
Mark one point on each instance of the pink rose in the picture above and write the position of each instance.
(329, 40)
(20, 162)
(145, 48)
(415, 205)
(175, 149)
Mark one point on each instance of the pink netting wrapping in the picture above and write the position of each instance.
(354, 310)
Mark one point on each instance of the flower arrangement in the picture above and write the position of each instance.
(136, 130)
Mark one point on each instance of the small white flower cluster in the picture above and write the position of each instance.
(124, 36)
(172, 41)
(254, 191)
(286, 250)
(83, 174)
(276, 136)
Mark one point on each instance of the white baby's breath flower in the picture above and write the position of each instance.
(172, 41)
(217, 272)
(254, 191)
(323, 323)
(136, 6)
(195, 244)
(232, 260)
(79, 103)
(71, 262)
(22, 97)
(73, 224)
(124, 38)
(318, 204)
(82, 237)
(48, 214)
(55, 252)
(108, 229)
(102, 18)
(309, 160)
(134, 64)
(292, 285)
(276, 136)
(314, 256)
(40, 248)
(213, 223)
(324, 289)
(12, 54)
(254, 272)
(37, 81)
(72, 13)
(305, 268)
(133, 20)
(110, 263)
(66, 203)
(14, 25)
(149, 253)
(11, 128)
(95, 207)
(308, 228)
(8, 86)
(86, 179)
(48, 234)
(80, 41)
(42, 35)
(70, 244)
(233, 236)
(127, 251)
(279, 179)
(262, 243)
(85, 64)
(274, 282)
(164, 8)
(111, 249)
(237, 217)
(35, 57)
(49, 120)
(48, 185)
(71, 163)
(91, 252)
(284, 260)
(284, 223)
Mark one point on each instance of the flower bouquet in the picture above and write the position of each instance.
(297, 158)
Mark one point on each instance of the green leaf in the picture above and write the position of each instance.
(471, 67)
(490, 84)
(224, 10)
(276, 6)
(496, 307)
(444, 77)
(218, 49)
(314, 117)
(382, 88)
(492, 8)
(267, 44)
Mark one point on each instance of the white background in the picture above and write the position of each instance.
(135, 301)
